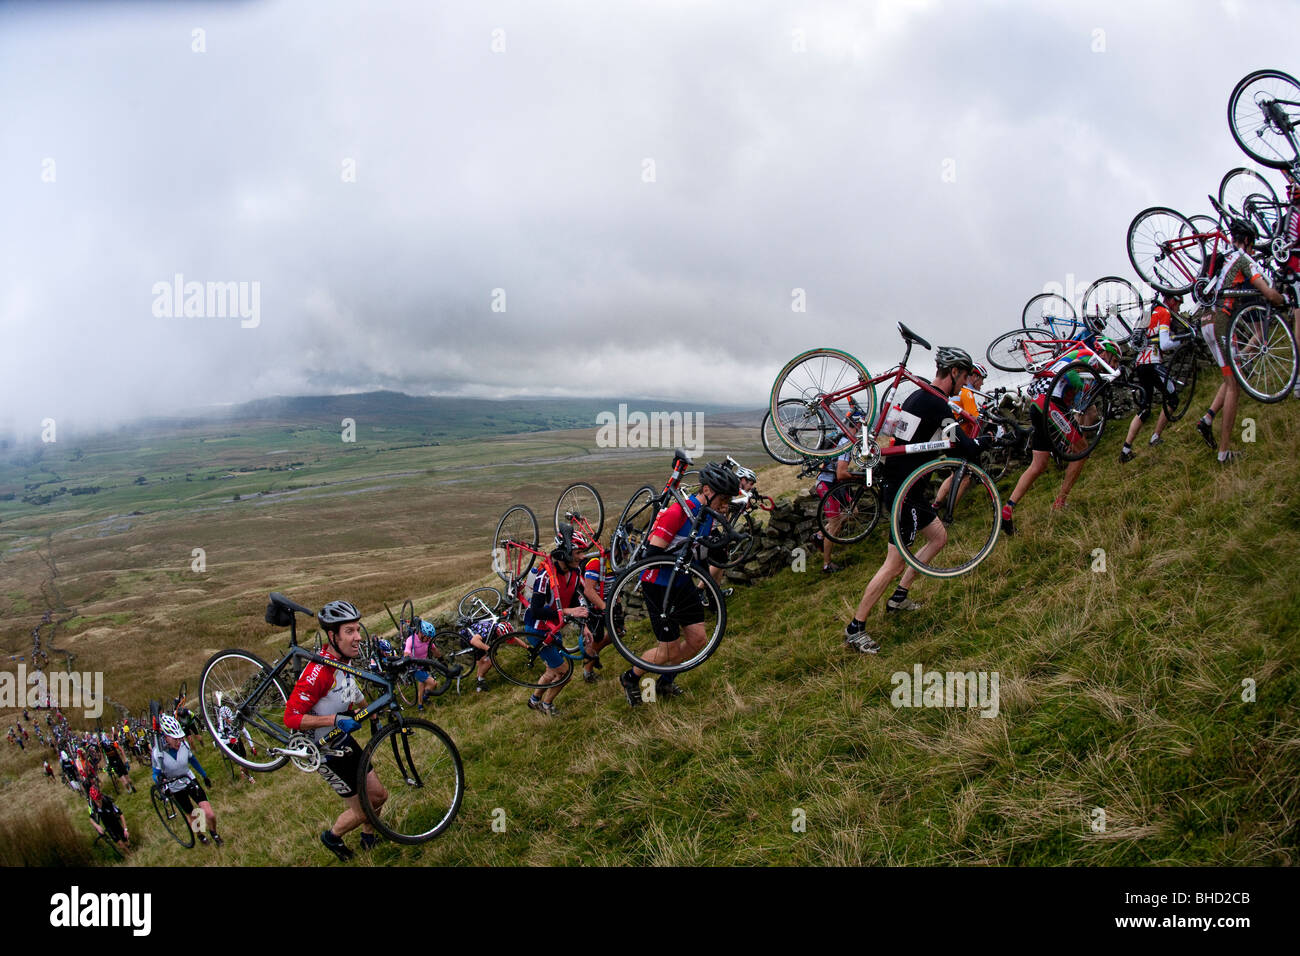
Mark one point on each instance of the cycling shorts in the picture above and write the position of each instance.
(421, 676)
(187, 798)
(112, 824)
(552, 655)
(1154, 380)
(341, 772)
(916, 513)
(832, 508)
(685, 609)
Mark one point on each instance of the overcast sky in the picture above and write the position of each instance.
(933, 162)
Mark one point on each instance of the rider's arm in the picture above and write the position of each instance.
(194, 762)
(841, 469)
(666, 526)
(1268, 291)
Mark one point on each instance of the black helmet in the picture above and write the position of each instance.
(721, 480)
(1243, 230)
(950, 357)
(338, 612)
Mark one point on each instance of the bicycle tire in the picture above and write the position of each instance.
(738, 552)
(679, 608)
(470, 608)
(1076, 420)
(1148, 235)
(1111, 306)
(633, 527)
(1256, 132)
(860, 508)
(584, 500)
(514, 659)
(1052, 313)
(1181, 370)
(1262, 353)
(1239, 192)
(517, 524)
(1012, 351)
(171, 817)
(236, 674)
(806, 378)
(404, 618)
(972, 523)
(112, 846)
(418, 764)
(772, 444)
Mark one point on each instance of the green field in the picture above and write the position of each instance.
(1121, 691)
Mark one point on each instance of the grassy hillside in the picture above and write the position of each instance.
(1120, 690)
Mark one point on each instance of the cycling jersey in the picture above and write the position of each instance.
(174, 765)
(418, 646)
(322, 690)
(603, 584)
(1239, 270)
(922, 418)
(545, 605)
(1043, 380)
(827, 474)
(1158, 337)
(970, 407)
(674, 524)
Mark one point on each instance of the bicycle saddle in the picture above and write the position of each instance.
(684, 456)
(910, 336)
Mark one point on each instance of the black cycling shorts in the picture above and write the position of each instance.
(686, 608)
(1154, 380)
(189, 798)
(1038, 423)
(341, 772)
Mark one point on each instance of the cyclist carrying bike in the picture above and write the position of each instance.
(106, 818)
(921, 418)
(420, 644)
(597, 581)
(555, 587)
(684, 635)
(1042, 406)
(172, 761)
(1239, 270)
(325, 698)
(1152, 373)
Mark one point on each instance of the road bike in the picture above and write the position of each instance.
(1263, 113)
(415, 759)
(174, 820)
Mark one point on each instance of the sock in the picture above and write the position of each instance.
(534, 699)
(1208, 417)
(900, 594)
(856, 626)
(1154, 438)
(1010, 503)
(1127, 448)
(1223, 456)
(665, 679)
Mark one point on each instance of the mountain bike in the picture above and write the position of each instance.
(1263, 113)
(416, 759)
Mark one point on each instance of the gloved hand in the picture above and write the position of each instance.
(985, 442)
(346, 723)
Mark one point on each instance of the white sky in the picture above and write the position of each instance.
(523, 170)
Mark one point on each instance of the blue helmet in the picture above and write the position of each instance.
(427, 628)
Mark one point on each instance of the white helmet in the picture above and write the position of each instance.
(171, 727)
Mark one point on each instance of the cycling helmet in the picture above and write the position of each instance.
(1109, 345)
(981, 371)
(1243, 230)
(427, 629)
(951, 357)
(170, 726)
(721, 480)
(745, 474)
(338, 612)
(94, 793)
(384, 647)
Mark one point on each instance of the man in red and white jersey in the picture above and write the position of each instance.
(324, 698)
(1152, 372)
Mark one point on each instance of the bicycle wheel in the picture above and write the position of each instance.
(679, 600)
(808, 378)
(176, 823)
(971, 516)
(1112, 306)
(738, 552)
(1181, 371)
(236, 675)
(404, 619)
(582, 501)
(112, 846)
(479, 603)
(1263, 111)
(1052, 313)
(855, 510)
(517, 524)
(633, 527)
(516, 658)
(772, 444)
(1161, 252)
(1023, 350)
(420, 767)
(1078, 415)
(1245, 193)
(1262, 353)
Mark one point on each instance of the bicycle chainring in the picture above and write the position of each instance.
(310, 762)
(861, 460)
